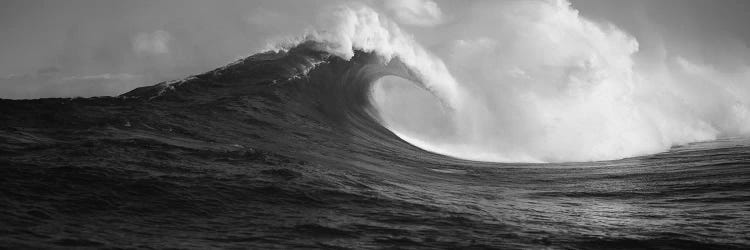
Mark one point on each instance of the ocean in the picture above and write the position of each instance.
(284, 150)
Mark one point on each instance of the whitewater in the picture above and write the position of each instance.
(547, 85)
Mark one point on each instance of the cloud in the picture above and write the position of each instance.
(415, 12)
(156, 42)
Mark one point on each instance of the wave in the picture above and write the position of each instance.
(551, 86)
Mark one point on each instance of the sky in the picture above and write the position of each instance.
(106, 47)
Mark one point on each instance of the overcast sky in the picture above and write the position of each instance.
(107, 47)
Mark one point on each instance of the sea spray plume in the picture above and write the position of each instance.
(561, 90)
(699, 94)
(543, 84)
(546, 84)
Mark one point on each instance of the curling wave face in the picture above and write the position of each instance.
(546, 86)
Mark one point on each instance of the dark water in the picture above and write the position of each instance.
(272, 152)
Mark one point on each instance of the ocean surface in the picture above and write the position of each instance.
(284, 150)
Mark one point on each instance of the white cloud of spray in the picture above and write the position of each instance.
(534, 81)
(415, 12)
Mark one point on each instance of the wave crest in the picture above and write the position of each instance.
(547, 85)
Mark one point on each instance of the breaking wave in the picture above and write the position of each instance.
(546, 86)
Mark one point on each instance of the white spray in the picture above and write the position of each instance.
(544, 85)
